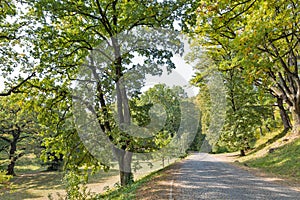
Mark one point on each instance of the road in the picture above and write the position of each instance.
(202, 176)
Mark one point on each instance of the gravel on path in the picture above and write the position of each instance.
(203, 176)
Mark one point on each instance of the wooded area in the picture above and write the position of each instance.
(74, 95)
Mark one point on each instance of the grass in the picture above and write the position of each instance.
(34, 182)
(268, 139)
(129, 192)
(284, 161)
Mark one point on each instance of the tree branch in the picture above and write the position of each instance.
(15, 88)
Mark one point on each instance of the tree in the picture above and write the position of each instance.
(244, 114)
(18, 128)
(246, 106)
(211, 98)
(260, 38)
(158, 111)
(74, 30)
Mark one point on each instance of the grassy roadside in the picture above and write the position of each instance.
(284, 161)
(33, 182)
(129, 193)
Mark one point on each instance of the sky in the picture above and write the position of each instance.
(179, 76)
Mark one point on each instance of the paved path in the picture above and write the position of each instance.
(202, 176)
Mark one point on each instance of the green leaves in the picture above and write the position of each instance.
(260, 38)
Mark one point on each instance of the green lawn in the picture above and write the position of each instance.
(34, 182)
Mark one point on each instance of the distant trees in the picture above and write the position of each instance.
(255, 46)
(18, 128)
(245, 111)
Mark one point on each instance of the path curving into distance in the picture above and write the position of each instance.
(202, 176)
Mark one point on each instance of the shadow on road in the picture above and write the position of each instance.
(203, 177)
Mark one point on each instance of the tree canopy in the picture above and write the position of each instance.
(261, 38)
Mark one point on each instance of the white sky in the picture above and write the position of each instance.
(180, 76)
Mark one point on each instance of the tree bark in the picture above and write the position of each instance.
(283, 115)
(12, 157)
(124, 155)
(124, 161)
(242, 152)
(296, 118)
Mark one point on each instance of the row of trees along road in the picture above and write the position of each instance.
(261, 40)
(254, 44)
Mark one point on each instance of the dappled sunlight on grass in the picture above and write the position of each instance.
(25, 168)
(284, 161)
(34, 182)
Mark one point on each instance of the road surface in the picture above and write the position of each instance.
(202, 176)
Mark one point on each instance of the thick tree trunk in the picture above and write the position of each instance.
(13, 158)
(124, 161)
(123, 154)
(126, 178)
(296, 120)
(283, 114)
(11, 167)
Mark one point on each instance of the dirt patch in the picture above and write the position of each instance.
(160, 186)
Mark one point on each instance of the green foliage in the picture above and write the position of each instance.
(76, 186)
(257, 37)
(66, 33)
(14, 54)
(247, 106)
(198, 141)
(245, 113)
(158, 110)
(4, 180)
(19, 131)
(128, 192)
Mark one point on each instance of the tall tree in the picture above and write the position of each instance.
(69, 31)
(245, 113)
(262, 39)
(245, 109)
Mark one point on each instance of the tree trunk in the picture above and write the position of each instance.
(11, 167)
(283, 114)
(296, 119)
(261, 131)
(123, 154)
(124, 161)
(12, 157)
(242, 152)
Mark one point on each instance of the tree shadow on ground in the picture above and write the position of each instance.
(198, 179)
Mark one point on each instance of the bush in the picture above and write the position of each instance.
(76, 186)
(4, 181)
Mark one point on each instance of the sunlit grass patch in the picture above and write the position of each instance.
(284, 161)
